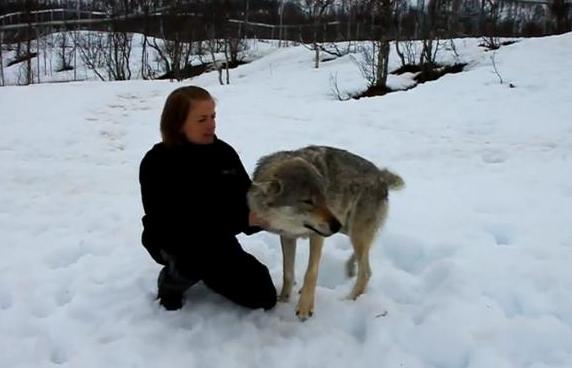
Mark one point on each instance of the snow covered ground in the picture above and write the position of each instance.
(474, 266)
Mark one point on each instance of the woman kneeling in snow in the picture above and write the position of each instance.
(193, 187)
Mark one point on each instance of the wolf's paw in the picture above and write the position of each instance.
(354, 294)
(284, 297)
(305, 309)
(303, 315)
(286, 291)
(350, 296)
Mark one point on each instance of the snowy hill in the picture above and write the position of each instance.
(473, 267)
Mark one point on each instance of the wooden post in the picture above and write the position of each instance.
(38, 51)
(1, 64)
(74, 39)
(74, 60)
(52, 43)
(281, 29)
(45, 55)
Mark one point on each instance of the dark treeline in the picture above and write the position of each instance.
(301, 20)
(187, 37)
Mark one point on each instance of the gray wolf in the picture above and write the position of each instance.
(315, 192)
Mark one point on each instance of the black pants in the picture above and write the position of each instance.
(227, 270)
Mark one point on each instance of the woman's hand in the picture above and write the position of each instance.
(254, 220)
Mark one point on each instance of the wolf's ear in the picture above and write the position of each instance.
(269, 187)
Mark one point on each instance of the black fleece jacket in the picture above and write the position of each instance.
(194, 197)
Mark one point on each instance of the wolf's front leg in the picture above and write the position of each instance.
(288, 260)
(305, 307)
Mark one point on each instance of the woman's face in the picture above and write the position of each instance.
(199, 127)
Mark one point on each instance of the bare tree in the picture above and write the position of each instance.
(105, 54)
(374, 64)
(235, 42)
(348, 7)
(316, 9)
(336, 89)
(26, 73)
(560, 10)
(119, 44)
(430, 29)
(281, 22)
(405, 39)
(236, 48)
(222, 41)
(213, 47)
(174, 49)
(494, 64)
(145, 6)
(375, 56)
(65, 51)
(92, 48)
(493, 11)
(174, 54)
(407, 52)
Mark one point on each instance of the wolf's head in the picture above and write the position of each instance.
(292, 200)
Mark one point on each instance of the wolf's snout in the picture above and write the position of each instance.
(325, 227)
(335, 225)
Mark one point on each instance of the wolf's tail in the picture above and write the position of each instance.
(393, 181)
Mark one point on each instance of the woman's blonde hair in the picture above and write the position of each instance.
(175, 111)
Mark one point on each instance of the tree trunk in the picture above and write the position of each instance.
(382, 62)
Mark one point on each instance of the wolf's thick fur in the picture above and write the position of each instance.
(317, 191)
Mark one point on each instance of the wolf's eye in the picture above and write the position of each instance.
(308, 201)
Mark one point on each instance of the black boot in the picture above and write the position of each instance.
(171, 287)
(170, 300)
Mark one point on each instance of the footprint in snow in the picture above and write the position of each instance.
(502, 234)
(63, 297)
(64, 257)
(58, 356)
(5, 299)
(494, 156)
